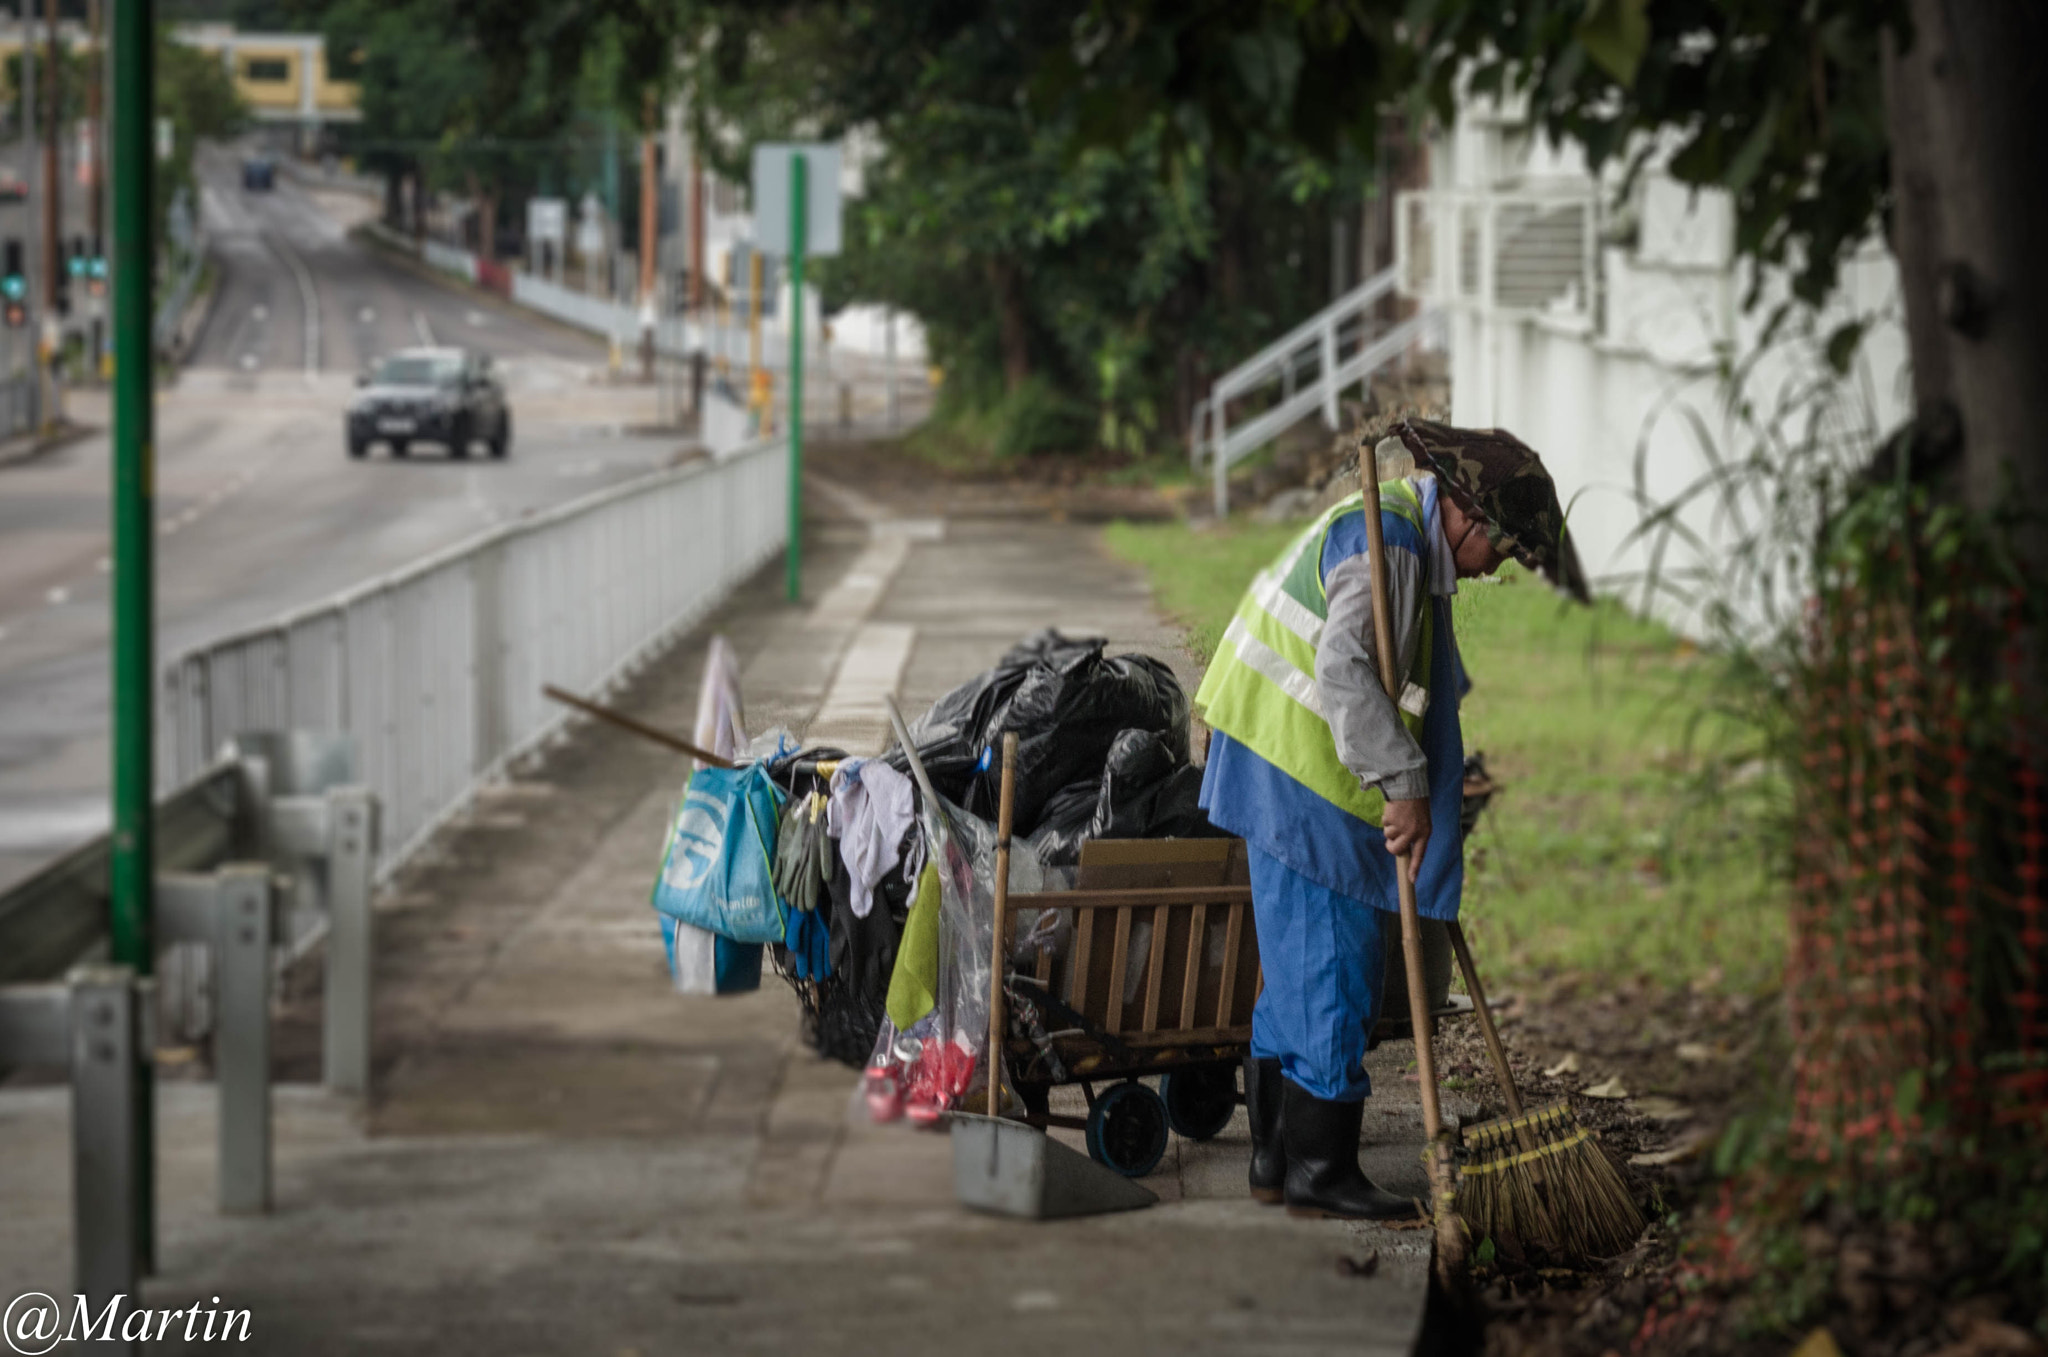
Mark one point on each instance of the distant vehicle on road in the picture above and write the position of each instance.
(259, 172)
(435, 395)
(13, 188)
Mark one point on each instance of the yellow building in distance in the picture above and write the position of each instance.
(282, 77)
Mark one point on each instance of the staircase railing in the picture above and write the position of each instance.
(1311, 365)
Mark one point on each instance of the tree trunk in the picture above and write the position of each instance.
(1969, 131)
(1013, 325)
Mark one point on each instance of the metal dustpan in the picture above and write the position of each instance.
(1011, 1169)
(1003, 1166)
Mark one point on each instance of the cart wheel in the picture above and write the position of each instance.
(1200, 1099)
(1127, 1129)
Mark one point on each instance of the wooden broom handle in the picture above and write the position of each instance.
(1004, 809)
(1486, 1027)
(1411, 922)
(624, 722)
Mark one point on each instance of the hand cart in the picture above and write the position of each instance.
(1149, 966)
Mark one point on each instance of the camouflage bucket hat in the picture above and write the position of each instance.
(1499, 480)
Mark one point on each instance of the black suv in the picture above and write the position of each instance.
(447, 396)
(258, 172)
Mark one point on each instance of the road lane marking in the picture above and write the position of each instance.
(260, 311)
(103, 565)
(419, 321)
(367, 314)
(474, 319)
(58, 595)
(249, 361)
(308, 295)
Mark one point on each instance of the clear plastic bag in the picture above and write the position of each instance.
(940, 1062)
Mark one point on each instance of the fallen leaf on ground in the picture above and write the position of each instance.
(1697, 1052)
(1819, 1343)
(1609, 1088)
(1568, 1065)
(1662, 1109)
(1687, 1148)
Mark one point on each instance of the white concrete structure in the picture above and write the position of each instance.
(1608, 332)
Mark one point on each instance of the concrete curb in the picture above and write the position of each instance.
(29, 447)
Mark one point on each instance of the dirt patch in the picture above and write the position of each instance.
(1760, 1262)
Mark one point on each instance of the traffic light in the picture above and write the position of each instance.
(74, 260)
(96, 269)
(13, 285)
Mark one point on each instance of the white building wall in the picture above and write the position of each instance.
(1623, 390)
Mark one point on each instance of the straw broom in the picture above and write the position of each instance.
(1443, 1192)
(1539, 1176)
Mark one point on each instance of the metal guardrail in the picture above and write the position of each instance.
(1311, 365)
(275, 830)
(436, 671)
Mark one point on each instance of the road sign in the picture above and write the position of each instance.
(547, 219)
(772, 196)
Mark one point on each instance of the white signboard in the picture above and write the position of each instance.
(821, 196)
(547, 219)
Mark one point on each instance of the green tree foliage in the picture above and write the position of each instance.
(1782, 105)
(1076, 292)
(194, 92)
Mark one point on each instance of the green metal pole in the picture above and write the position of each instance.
(799, 217)
(131, 875)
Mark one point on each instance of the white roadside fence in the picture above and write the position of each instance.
(437, 670)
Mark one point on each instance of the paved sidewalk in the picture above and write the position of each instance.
(564, 1156)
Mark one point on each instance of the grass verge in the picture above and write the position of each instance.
(1602, 858)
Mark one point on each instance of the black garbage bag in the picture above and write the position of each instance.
(1148, 793)
(1063, 824)
(1067, 712)
(948, 735)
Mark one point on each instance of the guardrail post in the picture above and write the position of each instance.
(352, 850)
(243, 927)
(106, 1154)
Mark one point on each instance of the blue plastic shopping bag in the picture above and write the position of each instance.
(721, 852)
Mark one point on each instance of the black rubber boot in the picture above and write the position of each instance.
(1262, 1098)
(1323, 1177)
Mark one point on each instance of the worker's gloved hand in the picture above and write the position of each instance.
(1407, 827)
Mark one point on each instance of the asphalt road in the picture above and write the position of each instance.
(259, 510)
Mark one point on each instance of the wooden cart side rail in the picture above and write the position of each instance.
(1142, 898)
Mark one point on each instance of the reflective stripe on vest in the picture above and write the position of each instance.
(1261, 686)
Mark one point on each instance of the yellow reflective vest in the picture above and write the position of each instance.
(1261, 686)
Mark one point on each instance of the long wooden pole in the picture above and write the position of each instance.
(1450, 1236)
(998, 950)
(624, 722)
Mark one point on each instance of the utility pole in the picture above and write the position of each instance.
(96, 184)
(799, 221)
(53, 178)
(650, 225)
(696, 230)
(131, 873)
(31, 260)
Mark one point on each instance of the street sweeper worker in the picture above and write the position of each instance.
(1327, 778)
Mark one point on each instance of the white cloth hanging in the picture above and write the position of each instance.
(872, 808)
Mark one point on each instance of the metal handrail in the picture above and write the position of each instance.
(436, 669)
(52, 918)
